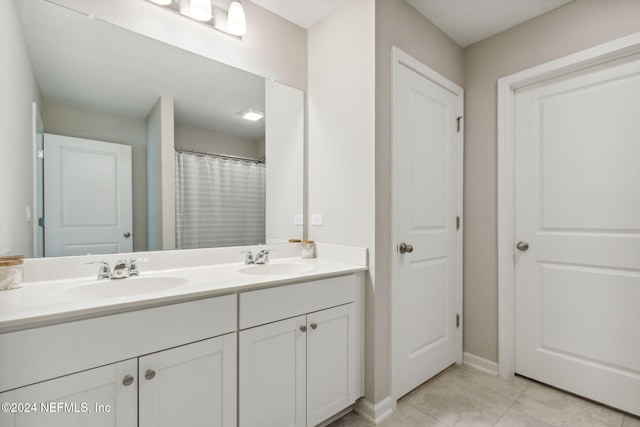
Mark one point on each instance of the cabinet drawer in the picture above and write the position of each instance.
(273, 304)
(39, 354)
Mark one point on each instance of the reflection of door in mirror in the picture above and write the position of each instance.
(87, 197)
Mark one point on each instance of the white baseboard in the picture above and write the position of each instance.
(480, 363)
(376, 413)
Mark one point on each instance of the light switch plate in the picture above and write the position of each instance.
(298, 219)
(316, 219)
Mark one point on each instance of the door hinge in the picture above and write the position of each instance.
(41, 222)
(457, 320)
(41, 154)
(458, 123)
(457, 223)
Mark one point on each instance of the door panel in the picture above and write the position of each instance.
(93, 398)
(272, 376)
(424, 197)
(331, 362)
(577, 204)
(88, 196)
(192, 385)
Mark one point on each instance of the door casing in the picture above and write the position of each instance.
(507, 87)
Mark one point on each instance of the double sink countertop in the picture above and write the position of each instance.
(45, 302)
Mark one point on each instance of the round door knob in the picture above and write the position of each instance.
(314, 325)
(127, 380)
(303, 328)
(522, 246)
(127, 234)
(405, 248)
(150, 374)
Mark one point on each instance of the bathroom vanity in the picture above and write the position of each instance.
(233, 345)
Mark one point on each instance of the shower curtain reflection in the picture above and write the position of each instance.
(219, 201)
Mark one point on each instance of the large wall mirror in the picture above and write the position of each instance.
(181, 117)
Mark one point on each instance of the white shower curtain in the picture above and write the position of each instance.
(219, 202)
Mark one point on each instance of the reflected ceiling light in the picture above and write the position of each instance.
(200, 9)
(236, 20)
(162, 2)
(251, 115)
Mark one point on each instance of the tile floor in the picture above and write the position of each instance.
(464, 396)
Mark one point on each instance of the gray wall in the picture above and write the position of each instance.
(577, 26)
(19, 89)
(216, 142)
(397, 24)
(64, 119)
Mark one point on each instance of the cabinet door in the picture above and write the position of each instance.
(94, 398)
(192, 385)
(272, 374)
(331, 362)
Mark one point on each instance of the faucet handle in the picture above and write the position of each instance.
(249, 258)
(105, 270)
(133, 267)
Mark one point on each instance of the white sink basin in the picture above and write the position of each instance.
(120, 288)
(279, 269)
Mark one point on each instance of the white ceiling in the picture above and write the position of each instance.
(465, 21)
(469, 21)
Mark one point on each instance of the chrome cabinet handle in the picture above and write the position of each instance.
(303, 328)
(405, 248)
(127, 380)
(150, 374)
(522, 246)
(314, 325)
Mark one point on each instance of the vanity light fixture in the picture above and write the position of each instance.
(200, 10)
(252, 115)
(236, 21)
(212, 13)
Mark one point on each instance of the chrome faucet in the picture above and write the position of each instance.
(262, 257)
(123, 269)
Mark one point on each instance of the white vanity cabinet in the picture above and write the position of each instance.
(192, 385)
(96, 397)
(300, 352)
(183, 370)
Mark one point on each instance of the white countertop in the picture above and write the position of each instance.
(40, 303)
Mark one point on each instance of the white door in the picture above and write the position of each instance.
(577, 207)
(331, 362)
(100, 397)
(272, 377)
(425, 195)
(191, 385)
(88, 197)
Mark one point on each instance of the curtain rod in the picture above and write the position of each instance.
(224, 156)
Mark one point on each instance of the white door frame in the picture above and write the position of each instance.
(400, 57)
(506, 175)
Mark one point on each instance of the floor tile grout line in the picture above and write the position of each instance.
(513, 403)
(425, 413)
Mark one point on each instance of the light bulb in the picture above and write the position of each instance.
(236, 21)
(200, 9)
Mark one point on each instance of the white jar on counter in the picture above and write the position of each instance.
(308, 249)
(11, 272)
